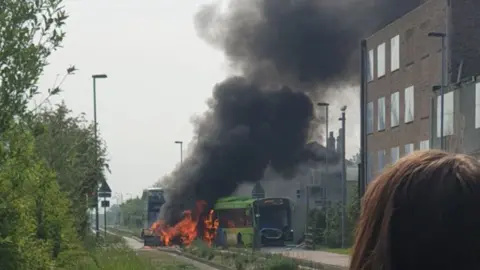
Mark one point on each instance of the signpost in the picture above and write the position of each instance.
(105, 192)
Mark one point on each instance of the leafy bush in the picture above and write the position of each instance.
(36, 226)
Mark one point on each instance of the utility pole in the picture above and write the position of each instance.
(105, 219)
(442, 36)
(181, 150)
(364, 171)
(344, 174)
(94, 77)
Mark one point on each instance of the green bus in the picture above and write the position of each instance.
(154, 198)
(239, 217)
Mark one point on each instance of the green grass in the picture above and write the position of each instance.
(113, 254)
(164, 261)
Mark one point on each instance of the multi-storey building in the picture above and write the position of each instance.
(462, 119)
(404, 64)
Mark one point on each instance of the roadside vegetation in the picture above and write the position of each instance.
(48, 166)
(325, 225)
(114, 254)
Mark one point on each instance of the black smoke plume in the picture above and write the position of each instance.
(285, 51)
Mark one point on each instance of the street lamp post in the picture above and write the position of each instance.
(344, 174)
(181, 150)
(95, 77)
(442, 86)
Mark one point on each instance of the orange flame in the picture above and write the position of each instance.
(186, 229)
(211, 226)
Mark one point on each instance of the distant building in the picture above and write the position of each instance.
(404, 64)
(323, 182)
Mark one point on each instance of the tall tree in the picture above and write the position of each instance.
(30, 30)
(36, 226)
(67, 143)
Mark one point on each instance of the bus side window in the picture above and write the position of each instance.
(248, 218)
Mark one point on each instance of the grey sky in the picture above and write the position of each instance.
(160, 74)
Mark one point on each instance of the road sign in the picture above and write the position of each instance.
(104, 188)
(104, 191)
(105, 203)
(104, 194)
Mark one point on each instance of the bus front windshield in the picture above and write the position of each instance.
(273, 216)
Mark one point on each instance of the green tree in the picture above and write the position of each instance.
(333, 231)
(132, 212)
(30, 30)
(67, 144)
(317, 220)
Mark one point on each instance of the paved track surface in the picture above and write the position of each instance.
(311, 255)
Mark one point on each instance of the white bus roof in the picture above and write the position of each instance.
(154, 188)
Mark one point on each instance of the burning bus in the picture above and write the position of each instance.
(240, 217)
(153, 198)
(233, 221)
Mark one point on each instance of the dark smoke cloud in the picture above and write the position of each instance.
(285, 50)
(246, 129)
(302, 43)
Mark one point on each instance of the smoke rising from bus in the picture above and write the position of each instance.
(285, 52)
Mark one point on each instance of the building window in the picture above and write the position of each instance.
(370, 117)
(381, 160)
(381, 60)
(381, 114)
(409, 148)
(425, 145)
(395, 153)
(395, 53)
(409, 104)
(394, 109)
(370, 65)
(447, 114)
(477, 105)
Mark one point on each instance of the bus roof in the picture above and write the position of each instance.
(154, 188)
(233, 203)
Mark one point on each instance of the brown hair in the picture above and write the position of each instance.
(421, 213)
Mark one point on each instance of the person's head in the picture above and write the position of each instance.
(421, 213)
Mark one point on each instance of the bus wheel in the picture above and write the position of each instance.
(239, 240)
